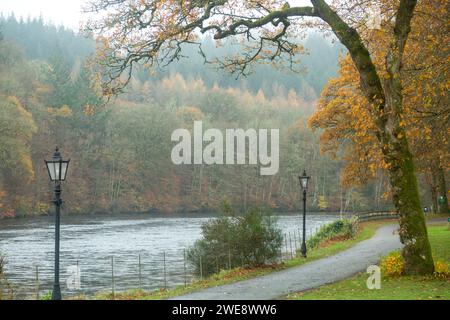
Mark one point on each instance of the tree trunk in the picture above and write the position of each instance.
(433, 187)
(396, 151)
(442, 192)
(413, 231)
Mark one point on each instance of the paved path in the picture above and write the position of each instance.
(308, 276)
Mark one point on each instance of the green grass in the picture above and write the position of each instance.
(224, 277)
(368, 229)
(401, 288)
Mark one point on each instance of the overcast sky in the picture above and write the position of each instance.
(60, 12)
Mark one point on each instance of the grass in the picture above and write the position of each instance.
(399, 288)
(367, 230)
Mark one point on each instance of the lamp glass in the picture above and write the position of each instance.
(57, 170)
(64, 167)
(51, 167)
(304, 179)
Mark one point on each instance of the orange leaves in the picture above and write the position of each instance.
(190, 114)
(346, 120)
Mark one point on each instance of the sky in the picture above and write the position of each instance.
(60, 12)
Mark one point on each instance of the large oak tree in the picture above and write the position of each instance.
(344, 116)
(153, 32)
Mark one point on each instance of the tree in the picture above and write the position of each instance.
(153, 32)
(348, 127)
(16, 169)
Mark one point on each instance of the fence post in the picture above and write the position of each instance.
(201, 268)
(78, 275)
(165, 271)
(185, 273)
(37, 283)
(286, 244)
(295, 242)
(229, 259)
(112, 279)
(290, 244)
(140, 273)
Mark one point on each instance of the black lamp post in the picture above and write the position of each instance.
(304, 179)
(57, 171)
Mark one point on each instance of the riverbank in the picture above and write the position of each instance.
(393, 288)
(367, 231)
(160, 213)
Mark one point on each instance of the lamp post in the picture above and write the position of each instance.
(304, 179)
(57, 171)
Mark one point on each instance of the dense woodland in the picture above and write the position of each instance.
(120, 149)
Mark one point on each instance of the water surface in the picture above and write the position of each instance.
(91, 241)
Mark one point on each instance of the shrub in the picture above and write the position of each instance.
(248, 241)
(441, 270)
(342, 229)
(47, 296)
(393, 265)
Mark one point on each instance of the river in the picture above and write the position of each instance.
(91, 241)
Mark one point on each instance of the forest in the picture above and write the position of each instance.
(120, 148)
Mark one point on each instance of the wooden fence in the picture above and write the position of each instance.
(377, 215)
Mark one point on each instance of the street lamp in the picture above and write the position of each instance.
(304, 179)
(57, 171)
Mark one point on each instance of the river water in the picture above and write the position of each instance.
(91, 241)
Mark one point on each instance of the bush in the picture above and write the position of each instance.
(48, 296)
(393, 265)
(341, 229)
(441, 270)
(247, 241)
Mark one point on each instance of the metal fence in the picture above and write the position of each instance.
(117, 273)
(166, 270)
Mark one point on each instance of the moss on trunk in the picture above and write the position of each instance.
(413, 231)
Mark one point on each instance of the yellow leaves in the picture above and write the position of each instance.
(23, 114)
(63, 112)
(441, 270)
(19, 127)
(373, 167)
(393, 265)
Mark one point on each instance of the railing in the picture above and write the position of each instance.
(377, 215)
